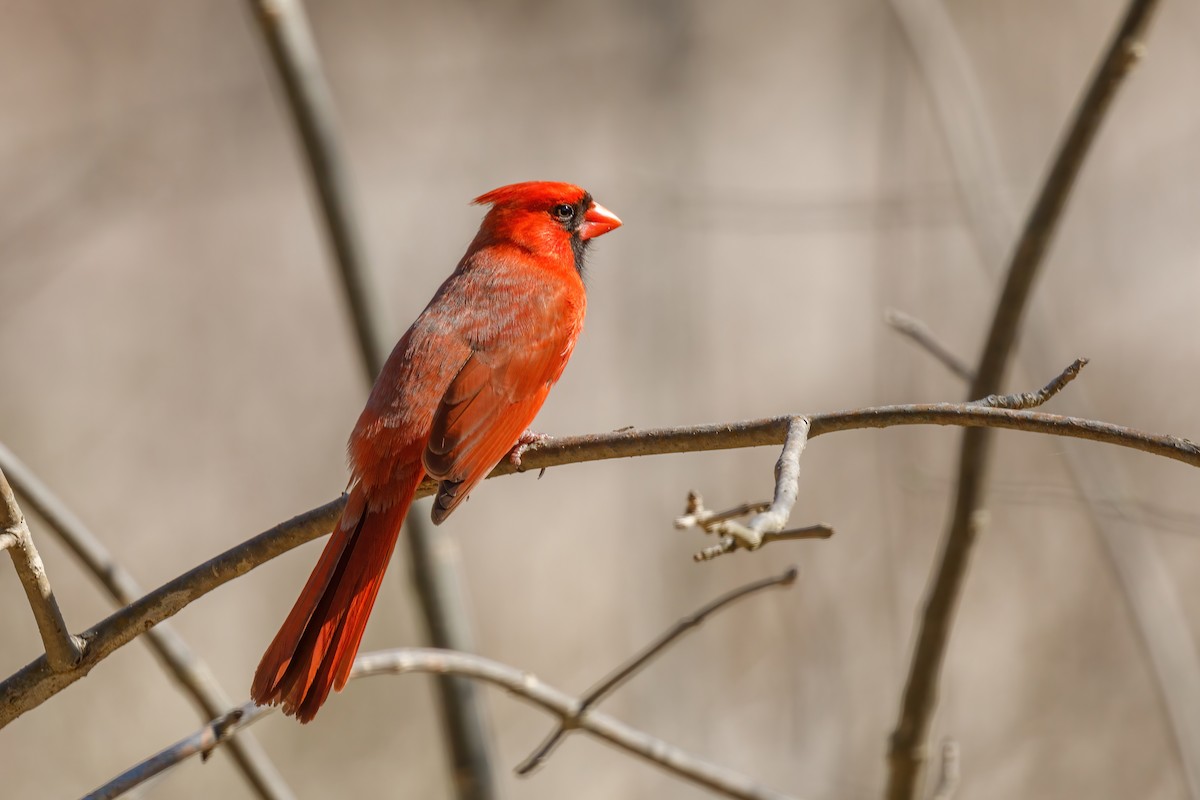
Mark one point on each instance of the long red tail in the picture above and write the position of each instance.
(315, 648)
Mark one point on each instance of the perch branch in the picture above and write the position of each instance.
(63, 651)
(907, 744)
(173, 652)
(618, 677)
(36, 682)
(571, 712)
(432, 554)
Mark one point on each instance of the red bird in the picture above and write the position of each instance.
(456, 394)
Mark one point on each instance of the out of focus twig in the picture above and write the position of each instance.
(436, 568)
(572, 713)
(948, 780)
(615, 679)
(173, 652)
(919, 332)
(908, 741)
(63, 651)
(37, 682)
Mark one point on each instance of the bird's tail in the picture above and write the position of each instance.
(315, 648)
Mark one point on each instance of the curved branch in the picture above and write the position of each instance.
(36, 682)
(570, 711)
(907, 745)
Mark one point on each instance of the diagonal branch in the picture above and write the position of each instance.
(573, 714)
(173, 652)
(435, 564)
(619, 676)
(36, 682)
(63, 651)
(908, 741)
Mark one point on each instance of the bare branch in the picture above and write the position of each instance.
(1139, 561)
(173, 652)
(285, 29)
(202, 742)
(436, 569)
(572, 713)
(906, 750)
(618, 677)
(63, 651)
(36, 682)
(919, 332)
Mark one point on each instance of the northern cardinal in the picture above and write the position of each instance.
(456, 394)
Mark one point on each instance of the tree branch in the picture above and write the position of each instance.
(172, 651)
(63, 651)
(571, 712)
(908, 741)
(36, 682)
(618, 677)
(432, 554)
(1140, 565)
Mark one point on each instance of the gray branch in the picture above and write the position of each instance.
(433, 555)
(570, 711)
(909, 739)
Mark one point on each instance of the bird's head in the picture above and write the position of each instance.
(545, 218)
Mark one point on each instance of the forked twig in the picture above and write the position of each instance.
(769, 518)
(611, 682)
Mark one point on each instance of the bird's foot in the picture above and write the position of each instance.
(527, 440)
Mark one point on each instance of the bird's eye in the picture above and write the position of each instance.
(563, 212)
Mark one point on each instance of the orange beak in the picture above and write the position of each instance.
(598, 221)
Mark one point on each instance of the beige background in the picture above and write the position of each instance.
(178, 365)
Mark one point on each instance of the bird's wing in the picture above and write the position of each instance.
(488, 405)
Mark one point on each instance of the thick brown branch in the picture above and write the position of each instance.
(908, 741)
(36, 682)
(568, 709)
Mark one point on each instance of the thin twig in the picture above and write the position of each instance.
(63, 651)
(173, 652)
(619, 676)
(36, 682)
(1026, 400)
(436, 567)
(528, 687)
(220, 731)
(919, 332)
(907, 744)
(1140, 565)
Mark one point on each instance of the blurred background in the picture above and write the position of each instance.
(178, 364)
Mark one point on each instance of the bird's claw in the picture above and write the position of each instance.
(527, 440)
